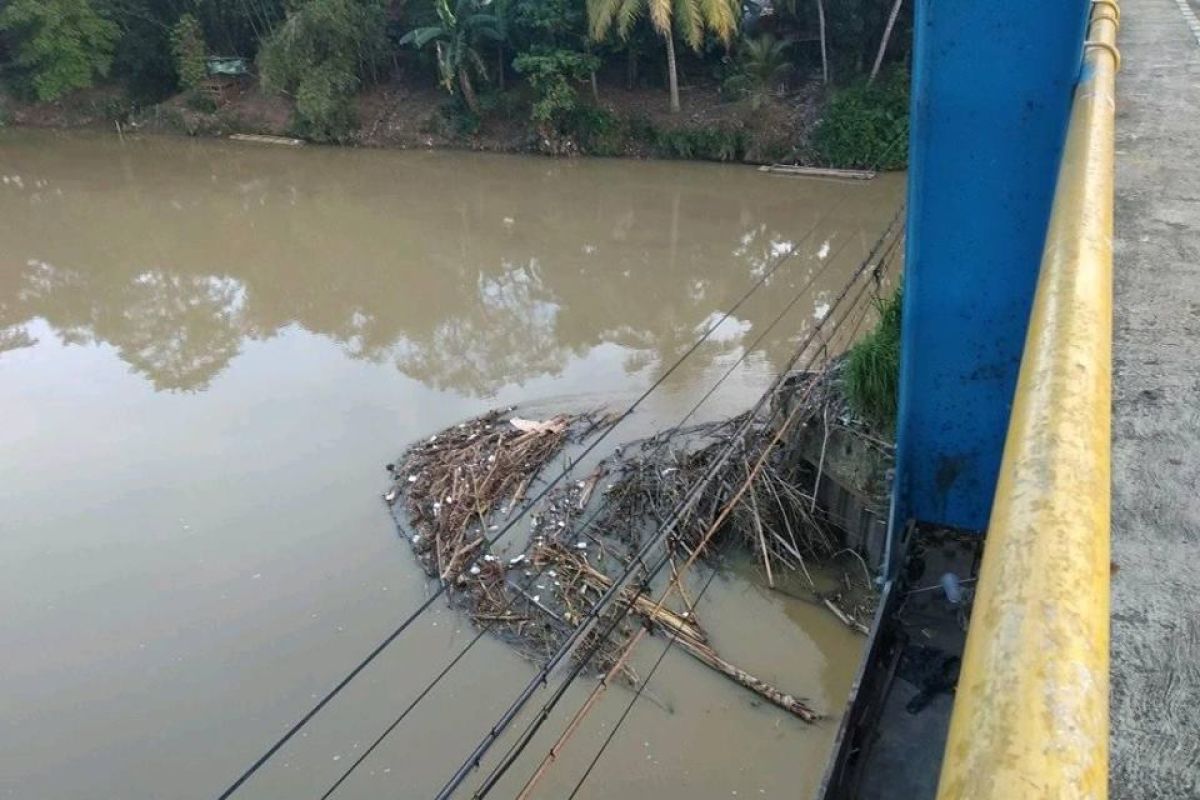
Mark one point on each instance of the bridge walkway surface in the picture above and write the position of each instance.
(1156, 406)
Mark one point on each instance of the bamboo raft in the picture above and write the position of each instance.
(818, 172)
(258, 138)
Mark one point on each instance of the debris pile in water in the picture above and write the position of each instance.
(455, 490)
(453, 482)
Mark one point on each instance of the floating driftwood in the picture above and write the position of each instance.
(453, 482)
(818, 172)
(259, 138)
(453, 492)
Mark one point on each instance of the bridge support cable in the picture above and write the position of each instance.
(542, 715)
(530, 504)
(552, 754)
(473, 760)
(1031, 709)
(663, 443)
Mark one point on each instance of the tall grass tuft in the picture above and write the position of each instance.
(872, 373)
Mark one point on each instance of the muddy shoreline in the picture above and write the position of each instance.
(403, 116)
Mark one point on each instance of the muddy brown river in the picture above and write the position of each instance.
(208, 351)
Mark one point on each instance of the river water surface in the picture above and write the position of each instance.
(208, 351)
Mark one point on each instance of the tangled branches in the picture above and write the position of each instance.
(667, 499)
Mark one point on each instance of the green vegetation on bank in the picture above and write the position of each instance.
(871, 379)
(866, 125)
(320, 54)
(757, 80)
(57, 45)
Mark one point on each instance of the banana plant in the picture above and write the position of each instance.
(457, 38)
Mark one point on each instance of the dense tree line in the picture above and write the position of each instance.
(560, 52)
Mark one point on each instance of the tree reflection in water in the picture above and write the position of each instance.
(468, 273)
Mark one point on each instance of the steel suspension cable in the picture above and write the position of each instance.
(664, 442)
(489, 543)
(649, 676)
(473, 760)
(602, 684)
(542, 715)
(886, 258)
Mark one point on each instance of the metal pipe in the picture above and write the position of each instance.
(1030, 715)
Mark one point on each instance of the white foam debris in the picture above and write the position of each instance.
(474, 569)
(581, 545)
(512, 562)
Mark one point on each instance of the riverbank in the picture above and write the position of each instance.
(621, 122)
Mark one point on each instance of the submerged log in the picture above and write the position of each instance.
(687, 632)
(706, 655)
(819, 172)
(259, 138)
(846, 619)
(643, 605)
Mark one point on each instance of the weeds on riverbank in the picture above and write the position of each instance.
(866, 125)
(872, 372)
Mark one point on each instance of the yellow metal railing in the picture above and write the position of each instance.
(1030, 716)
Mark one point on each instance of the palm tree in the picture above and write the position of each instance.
(456, 37)
(691, 17)
(765, 65)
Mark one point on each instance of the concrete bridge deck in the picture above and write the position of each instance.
(1156, 406)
